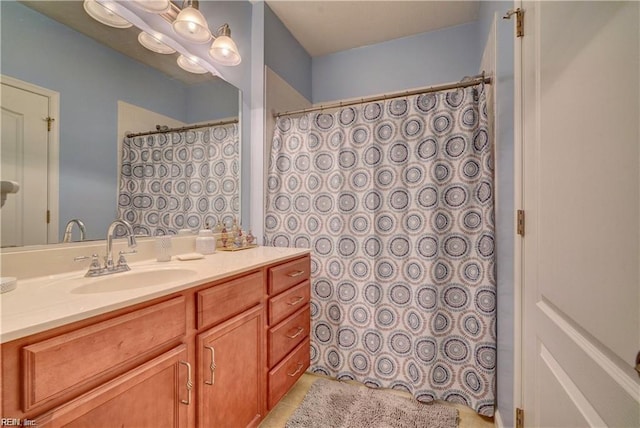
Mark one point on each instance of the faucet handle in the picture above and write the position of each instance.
(94, 268)
(121, 260)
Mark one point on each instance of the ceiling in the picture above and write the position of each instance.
(328, 26)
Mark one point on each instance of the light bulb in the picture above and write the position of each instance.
(102, 12)
(192, 25)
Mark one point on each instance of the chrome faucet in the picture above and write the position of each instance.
(95, 269)
(131, 241)
(69, 229)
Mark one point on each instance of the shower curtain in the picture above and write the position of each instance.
(180, 180)
(395, 199)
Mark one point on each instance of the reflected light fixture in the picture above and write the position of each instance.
(154, 44)
(154, 6)
(102, 13)
(224, 49)
(192, 25)
(191, 65)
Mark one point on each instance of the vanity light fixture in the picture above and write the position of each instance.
(154, 6)
(154, 43)
(103, 13)
(224, 49)
(191, 24)
(191, 65)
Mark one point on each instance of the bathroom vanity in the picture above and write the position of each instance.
(217, 349)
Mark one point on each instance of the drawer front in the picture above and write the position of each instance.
(284, 304)
(289, 333)
(289, 274)
(225, 300)
(284, 375)
(55, 366)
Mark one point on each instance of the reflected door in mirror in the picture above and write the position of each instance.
(24, 154)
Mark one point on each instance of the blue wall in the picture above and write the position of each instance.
(284, 55)
(504, 149)
(238, 14)
(211, 101)
(410, 62)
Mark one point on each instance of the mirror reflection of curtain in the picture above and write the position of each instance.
(395, 199)
(180, 180)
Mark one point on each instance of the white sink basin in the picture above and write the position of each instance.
(133, 279)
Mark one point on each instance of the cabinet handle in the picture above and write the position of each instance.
(212, 367)
(296, 301)
(295, 274)
(189, 383)
(300, 365)
(297, 333)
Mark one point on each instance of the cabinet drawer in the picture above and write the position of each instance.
(225, 300)
(284, 375)
(56, 366)
(284, 304)
(289, 274)
(286, 335)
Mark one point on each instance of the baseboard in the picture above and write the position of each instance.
(497, 420)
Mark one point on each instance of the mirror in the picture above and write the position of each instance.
(102, 93)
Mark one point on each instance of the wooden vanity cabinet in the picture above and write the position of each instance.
(200, 357)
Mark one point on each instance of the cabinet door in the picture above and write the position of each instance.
(231, 375)
(155, 394)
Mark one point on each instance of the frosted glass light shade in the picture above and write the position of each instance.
(154, 6)
(102, 13)
(225, 51)
(154, 44)
(191, 25)
(190, 65)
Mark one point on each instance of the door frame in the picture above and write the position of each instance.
(518, 200)
(53, 155)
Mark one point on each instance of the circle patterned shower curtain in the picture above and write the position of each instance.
(395, 199)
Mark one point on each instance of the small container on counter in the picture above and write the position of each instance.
(205, 242)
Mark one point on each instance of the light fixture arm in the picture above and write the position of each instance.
(223, 30)
(193, 3)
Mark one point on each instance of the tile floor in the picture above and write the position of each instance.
(279, 415)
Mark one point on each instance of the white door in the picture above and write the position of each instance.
(581, 195)
(24, 157)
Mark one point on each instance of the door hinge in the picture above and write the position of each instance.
(519, 13)
(48, 216)
(519, 418)
(520, 223)
(49, 120)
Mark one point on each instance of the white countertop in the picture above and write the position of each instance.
(42, 303)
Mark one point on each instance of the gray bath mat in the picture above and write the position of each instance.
(341, 405)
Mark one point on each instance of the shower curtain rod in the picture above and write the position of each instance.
(475, 80)
(184, 128)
